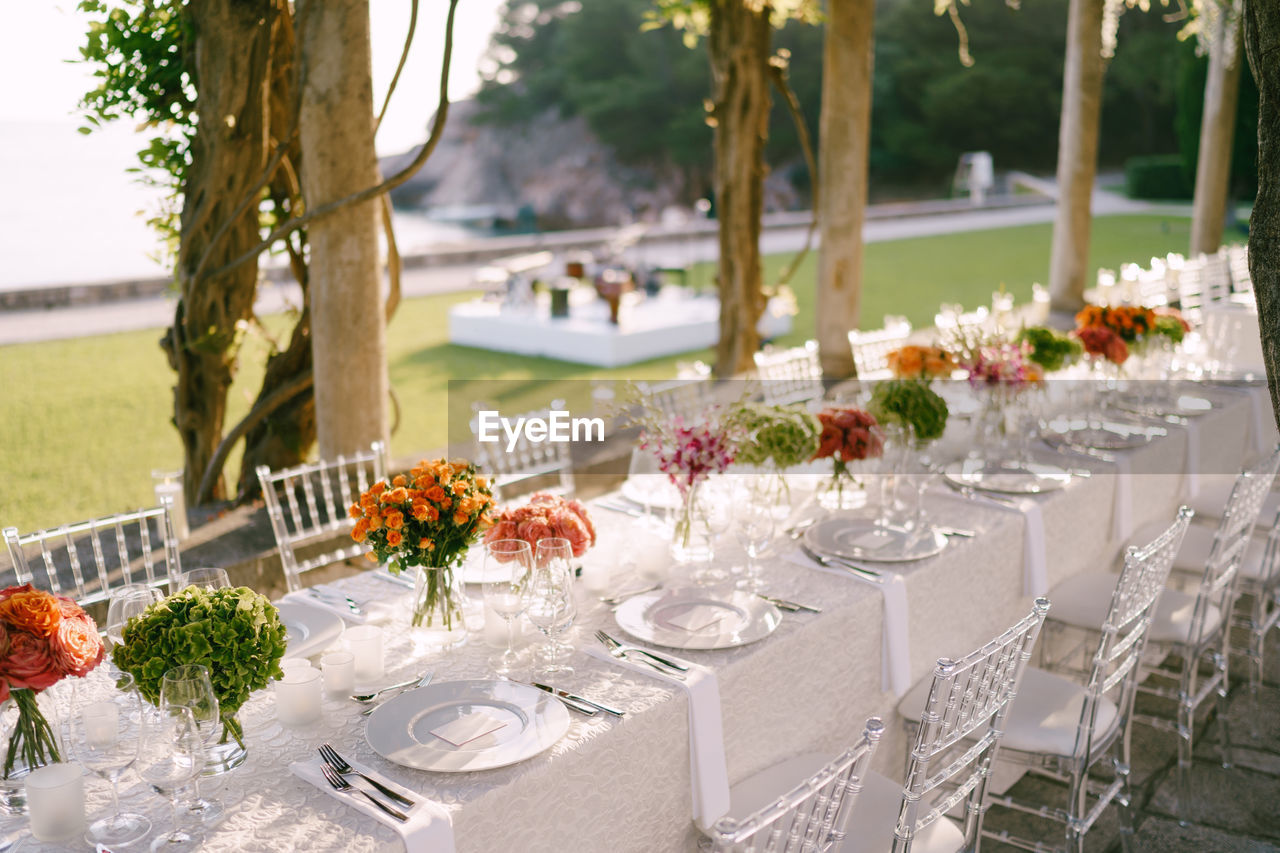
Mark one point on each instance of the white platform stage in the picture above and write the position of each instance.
(673, 322)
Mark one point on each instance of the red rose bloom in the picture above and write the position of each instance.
(29, 663)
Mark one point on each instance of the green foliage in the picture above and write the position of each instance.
(1170, 326)
(911, 403)
(1159, 176)
(234, 633)
(143, 59)
(778, 435)
(1050, 349)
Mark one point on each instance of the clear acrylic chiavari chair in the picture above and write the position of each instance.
(86, 560)
(808, 818)
(790, 375)
(308, 505)
(871, 348)
(1259, 608)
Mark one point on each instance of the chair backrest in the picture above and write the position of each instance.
(1116, 671)
(1269, 572)
(969, 698)
(811, 816)
(871, 349)
(1215, 273)
(1153, 285)
(1238, 260)
(1217, 586)
(790, 375)
(88, 559)
(516, 469)
(308, 504)
(689, 399)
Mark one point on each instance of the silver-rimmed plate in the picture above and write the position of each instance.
(532, 721)
(1013, 478)
(308, 630)
(1183, 405)
(854, 538)
(1112, 432)
(696, 619)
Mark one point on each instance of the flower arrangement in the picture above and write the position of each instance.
(543, 517)
(910, 403)
(43, 639)
(921, 362)
(1004, 365)
(1103, 342)
(428, 518)
(1171, 324)
(688, 454)
(1130, 322)
(781, 436)
(235, 633)
(1050, 349)
(848, 435)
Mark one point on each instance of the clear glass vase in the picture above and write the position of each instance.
(692, 541)
(840, 491)
(439, 602)
(29, 724)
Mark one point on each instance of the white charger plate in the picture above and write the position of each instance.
(747, 618)
(1111, 433)
(854, 538)
(308, 629)
(1015, 478)
(400, 730)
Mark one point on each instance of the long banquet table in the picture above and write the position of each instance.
(624, 785)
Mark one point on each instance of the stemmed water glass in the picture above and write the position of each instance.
(170, 756)
(127, 602)
(753, 526)
(189, 687)
(205, 578)
(105, 733)
(549, 601)
(507, 564)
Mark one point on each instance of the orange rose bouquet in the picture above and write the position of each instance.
(427, 518)
(43, 639)
(1129, 322)
(920, 362)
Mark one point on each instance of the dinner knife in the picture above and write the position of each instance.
(565, 694)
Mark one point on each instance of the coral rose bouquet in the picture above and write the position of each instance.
(545, 516)
(43, 639)
(848, 435)
(427, 518)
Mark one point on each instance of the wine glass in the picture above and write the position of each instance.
(170, 756)
(127, 602)
(507, 563)
(204, 578)
(549, 601)
(105, 733)
(753, 526)
(189, 687)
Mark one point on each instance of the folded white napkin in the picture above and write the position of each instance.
(706, 734)
(429, 828)
(895, 635)
(1191, 482)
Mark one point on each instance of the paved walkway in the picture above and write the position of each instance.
(783, 233)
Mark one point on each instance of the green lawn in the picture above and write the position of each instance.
(88, 419)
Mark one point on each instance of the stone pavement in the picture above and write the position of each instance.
(1234, 811)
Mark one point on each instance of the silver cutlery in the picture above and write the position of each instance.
(340, 784)
(838, 563)
(644, 656)
(955, 531)
(790, 606)
(573, 697)
(625, 510)
(336, 598)
(369, 697)
(615, 600)
(974, 495)
(574, 703)
(422, 682)
(339, 766)
(797, 530)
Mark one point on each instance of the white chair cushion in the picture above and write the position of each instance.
(754, 793)
(875, 814)
(1215, 489)
(1082, 601)
(1044, 716)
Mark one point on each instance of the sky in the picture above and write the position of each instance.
(40, 37)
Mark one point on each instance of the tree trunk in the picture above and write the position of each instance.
(228, 153)
(739, 48)
(1077, 154)
(1217, 129)
(1262, 41)
(284, 437)
(347, 326)
(844, 134)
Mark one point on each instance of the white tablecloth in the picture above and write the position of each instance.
(625, 785)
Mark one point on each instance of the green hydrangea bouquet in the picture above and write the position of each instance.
(235, 633)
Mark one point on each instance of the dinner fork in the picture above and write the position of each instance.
(340, 784)
(338, 599)
(663, 665)
(340, 766)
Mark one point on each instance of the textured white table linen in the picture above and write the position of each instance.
(1035, 557)
(624, 785)
(706, 734)
(428, 829)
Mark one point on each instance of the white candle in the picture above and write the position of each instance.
(365, 643)
(55, 802)
(298, 697)
(287, 664)
(168, 484)
(339, 669)
(101, 723)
